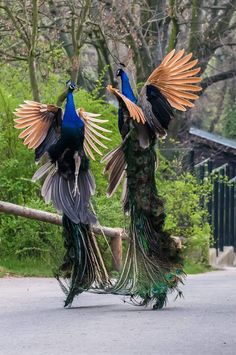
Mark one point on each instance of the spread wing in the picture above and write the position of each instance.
(92, 136)
(135, 112)
(176, 79)
(171, 85)
(41, 125)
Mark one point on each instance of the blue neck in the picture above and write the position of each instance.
(71, 117)
(126, 87)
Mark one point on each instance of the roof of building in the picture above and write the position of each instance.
(230, 143)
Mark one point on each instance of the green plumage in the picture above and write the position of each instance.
(82, 265)
(153, 266)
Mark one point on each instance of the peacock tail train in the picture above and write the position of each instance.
(82, 267)
(153, 266)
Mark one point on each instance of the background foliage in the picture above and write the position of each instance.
(24, 239)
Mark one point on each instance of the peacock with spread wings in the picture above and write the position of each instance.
(65, 140)
(153, 266)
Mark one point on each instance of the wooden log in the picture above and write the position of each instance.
(22, 211)
(117, 234)
(53, 218)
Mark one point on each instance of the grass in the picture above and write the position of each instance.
(25, 267)
(196, 268)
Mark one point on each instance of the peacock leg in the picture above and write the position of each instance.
(55, 170)
(77, 166)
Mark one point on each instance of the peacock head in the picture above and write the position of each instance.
(120, 70)
(71, 86)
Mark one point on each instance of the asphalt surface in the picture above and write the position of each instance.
(34, 322)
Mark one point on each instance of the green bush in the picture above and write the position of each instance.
(186, 212)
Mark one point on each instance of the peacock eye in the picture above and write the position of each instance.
(118, 72)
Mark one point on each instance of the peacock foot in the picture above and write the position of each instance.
(160, 302)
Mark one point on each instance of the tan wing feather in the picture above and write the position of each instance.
(168, 57)
(98, 127)
(135, 111)
(36, 135)
(181, 62)
(175, 58)
(23, 124)
(88, 150)
(175, 79)
(36, 118)
(187, 74)
(96, 140)
(29, 130)
(91, 142)
(92, 119)
(184, 94)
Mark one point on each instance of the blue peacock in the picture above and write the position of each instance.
(153, 266)
(65, 141)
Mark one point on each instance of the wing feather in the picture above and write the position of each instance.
(91, 142)
(176, 57)
(24, 124)
(96, 140)
(168, 57)
(135, 112)
(98, 127)
(184, 94)
(115, 168)
(88, 150)
(37, 119)
(176, 79)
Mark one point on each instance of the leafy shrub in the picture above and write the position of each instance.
(187, 215)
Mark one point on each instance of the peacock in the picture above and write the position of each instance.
(153, 266)
(64, 141)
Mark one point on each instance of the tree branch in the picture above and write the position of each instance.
(216, 78)
(21, 33)
(11, 56)
(142, 39)
(83, 16)
(34, 25)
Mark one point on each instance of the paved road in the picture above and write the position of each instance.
(33, 321)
